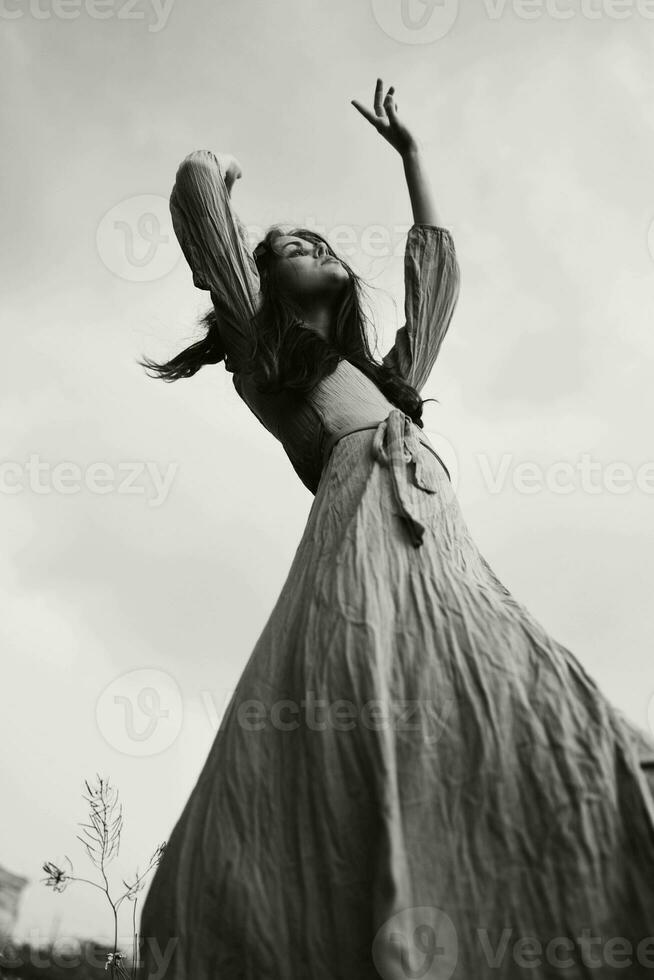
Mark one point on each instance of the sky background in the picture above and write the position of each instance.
(129, 614)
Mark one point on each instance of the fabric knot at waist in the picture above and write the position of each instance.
(396, 443)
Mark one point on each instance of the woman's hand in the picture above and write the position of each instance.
(230, 169)
(386, 121)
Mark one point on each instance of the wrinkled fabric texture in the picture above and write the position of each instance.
(413, 778)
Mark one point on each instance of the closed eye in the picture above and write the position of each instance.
(294, 248)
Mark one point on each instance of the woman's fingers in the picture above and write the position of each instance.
(385, 109)
(390, 106)
(370, 116)
(229, 166)
(379, 94)
(386, 120)
(379, 102)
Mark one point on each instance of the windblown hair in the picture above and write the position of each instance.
(286, 356)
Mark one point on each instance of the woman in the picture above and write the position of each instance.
(413, 779)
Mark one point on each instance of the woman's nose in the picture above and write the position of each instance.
(321, 250)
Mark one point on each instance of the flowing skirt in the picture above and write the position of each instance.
(412, 779)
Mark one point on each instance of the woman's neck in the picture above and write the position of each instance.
(318, 319)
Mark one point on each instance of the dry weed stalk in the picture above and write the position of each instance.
(101, 838)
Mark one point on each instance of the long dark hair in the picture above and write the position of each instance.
(286, 356)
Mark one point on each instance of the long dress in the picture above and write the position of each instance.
(413, 778)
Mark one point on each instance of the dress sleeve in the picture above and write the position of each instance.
(431, 284)
(215, 244)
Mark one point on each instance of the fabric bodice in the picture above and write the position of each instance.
(344, 399)
(215, 244)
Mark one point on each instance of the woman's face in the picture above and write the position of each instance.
(306, 270)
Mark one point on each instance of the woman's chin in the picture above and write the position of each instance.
(336, 273)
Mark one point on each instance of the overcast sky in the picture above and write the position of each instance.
(139, 586)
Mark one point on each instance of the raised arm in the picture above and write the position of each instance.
(420, 192)
(431, 289)
(431, 270)
(388, 124)
(216, 246)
